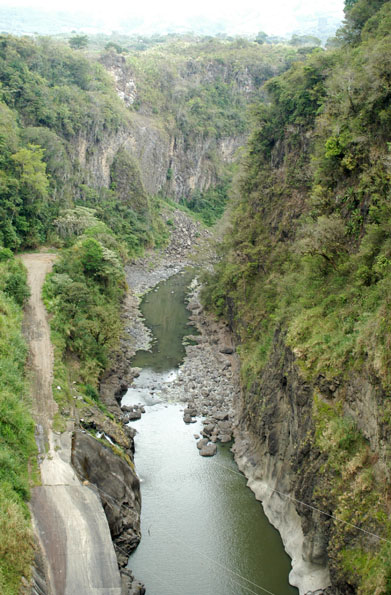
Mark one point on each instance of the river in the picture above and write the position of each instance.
(203, 530)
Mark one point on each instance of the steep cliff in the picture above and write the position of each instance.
(119, 489)
(304, 281)
(187, 105)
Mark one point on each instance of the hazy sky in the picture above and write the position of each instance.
(274, 16)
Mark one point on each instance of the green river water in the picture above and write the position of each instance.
(203, 531)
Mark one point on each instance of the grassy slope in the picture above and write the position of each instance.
(17, 444)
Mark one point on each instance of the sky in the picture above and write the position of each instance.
(245, 16)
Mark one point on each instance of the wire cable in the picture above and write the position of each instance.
(310, 506)
(208, 558)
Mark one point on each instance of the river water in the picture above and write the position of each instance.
(203, 531)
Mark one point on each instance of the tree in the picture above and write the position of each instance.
(325, 237)
(78, 42)
(114, 46)
(261, 37)
(32, 170)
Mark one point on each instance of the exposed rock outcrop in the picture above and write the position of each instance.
(168, 162)
(272, 448)
(276, 448)
(118, 485)
(157, 150)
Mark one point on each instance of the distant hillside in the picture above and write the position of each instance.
(321, 22)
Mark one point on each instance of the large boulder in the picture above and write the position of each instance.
(209, 450)
(201, 443)
(118, 486)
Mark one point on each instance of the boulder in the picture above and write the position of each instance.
(224, 426)
(209, 450)
(201, 443)
(221, 415)
(133, 415)
(227, 350)
(208, 429)
(118, 485)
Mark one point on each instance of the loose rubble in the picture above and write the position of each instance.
(206, 381)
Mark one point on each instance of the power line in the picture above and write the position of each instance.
(208, 558)
(233, 572)
(310, 506)
(221, 565)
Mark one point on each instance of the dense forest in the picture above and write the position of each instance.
(306, 271)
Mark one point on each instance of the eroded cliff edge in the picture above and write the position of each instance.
(274, 448)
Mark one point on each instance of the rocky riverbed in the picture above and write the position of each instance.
(190, 244)
(206, 382)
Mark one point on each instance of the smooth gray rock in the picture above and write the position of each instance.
(221, 415)
(202, 443)
(227, 350)
(209, 450)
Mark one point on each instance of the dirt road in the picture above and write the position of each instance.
(69, 519)
(37, 332)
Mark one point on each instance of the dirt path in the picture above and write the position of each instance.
(69, 519)
(37, 332)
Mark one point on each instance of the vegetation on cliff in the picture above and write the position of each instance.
(50, 97)
(309, 250)
(309, 253)
(197, 91)
(17, 444)
(204, 86)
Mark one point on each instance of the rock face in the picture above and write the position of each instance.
(156, 150)
(158, 147)
(272, 450)
(277, 449)
(118, 486)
